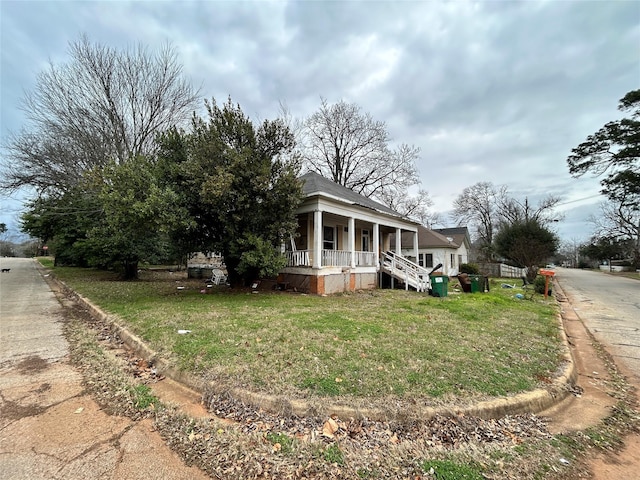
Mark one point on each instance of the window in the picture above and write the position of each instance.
(365, 240)
(329, 242)
(453, 261)
(426, 260)
(460, 262)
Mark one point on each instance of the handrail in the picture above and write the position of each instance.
(402, 268)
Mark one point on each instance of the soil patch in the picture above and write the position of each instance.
(14, 411)
(31, 365)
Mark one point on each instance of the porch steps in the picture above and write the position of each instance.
(404, 270)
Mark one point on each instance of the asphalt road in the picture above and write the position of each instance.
(609, 306)
(50, 428)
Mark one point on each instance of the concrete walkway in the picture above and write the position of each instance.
(49, 427)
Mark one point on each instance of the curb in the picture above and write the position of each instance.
(534, 402)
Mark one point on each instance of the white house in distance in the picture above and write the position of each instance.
(448, 246)
(341, 238)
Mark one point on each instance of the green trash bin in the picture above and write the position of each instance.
(439, 285)
(477, 283)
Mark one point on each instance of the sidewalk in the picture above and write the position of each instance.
(49, 427)
(594, 404)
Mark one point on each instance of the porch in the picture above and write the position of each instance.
(331, 258)
(336, 250)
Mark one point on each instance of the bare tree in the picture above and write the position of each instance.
(104, 104)
(487, 208)
(476, 207)
(416, 207)
(619, 220)
(342, 143)
(511, 210)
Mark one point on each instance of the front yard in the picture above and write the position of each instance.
(368, 348)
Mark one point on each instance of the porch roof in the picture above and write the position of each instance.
(316, 184)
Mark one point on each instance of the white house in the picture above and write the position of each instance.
(341, 239)
(447, 246)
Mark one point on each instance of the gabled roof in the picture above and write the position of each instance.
(316, 184)
(459, 234)
(428, 239)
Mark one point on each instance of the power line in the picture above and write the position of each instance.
(577, 200)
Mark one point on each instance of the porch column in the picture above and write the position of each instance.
(415, 246)
(376, 244)
(351, 234)
(398, 241)
(317, 239)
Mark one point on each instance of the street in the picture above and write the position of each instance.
(609, 306)
(50, 428)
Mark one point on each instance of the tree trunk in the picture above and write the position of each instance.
(130, 269)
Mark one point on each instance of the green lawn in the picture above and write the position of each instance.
(372, 345)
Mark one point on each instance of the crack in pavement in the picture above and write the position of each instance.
(113, 440)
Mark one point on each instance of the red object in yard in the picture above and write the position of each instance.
(547, 275)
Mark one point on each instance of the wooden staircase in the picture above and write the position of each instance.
(407, 272)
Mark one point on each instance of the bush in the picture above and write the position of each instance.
(538, 284)
(470, 268)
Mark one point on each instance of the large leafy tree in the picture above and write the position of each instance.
(613, 152)
(62, 220)
(117, 217)
(603, 249)
(138, 213)
(527, 244)
(240, 185)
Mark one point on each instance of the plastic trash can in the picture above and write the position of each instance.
(439, 285)
(477, 283)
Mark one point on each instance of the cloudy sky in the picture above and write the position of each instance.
(496, 91)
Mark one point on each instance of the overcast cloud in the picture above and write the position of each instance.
(495, 91)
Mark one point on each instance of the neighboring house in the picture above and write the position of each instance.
(460, 237)
(340, 239)
(448, 246)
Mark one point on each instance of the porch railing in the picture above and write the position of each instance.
(365, 259)
(299, 258)
(336, 258)
(330, 258)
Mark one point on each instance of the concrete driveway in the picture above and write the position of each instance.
(49, 427)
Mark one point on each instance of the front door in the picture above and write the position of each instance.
(365, 240)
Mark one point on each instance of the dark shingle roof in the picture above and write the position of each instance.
(459, 234)
(427, 239)
(316, 183)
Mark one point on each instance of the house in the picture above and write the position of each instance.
(341, 239)
(447, 246)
